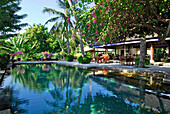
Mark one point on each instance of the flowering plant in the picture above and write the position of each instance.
(50, 55)
(47, 54)
(18, 53)
(13, 54)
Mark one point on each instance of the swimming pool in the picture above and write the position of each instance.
(50, 88)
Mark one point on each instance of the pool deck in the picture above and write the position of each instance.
(151, 70)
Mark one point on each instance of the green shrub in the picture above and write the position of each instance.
(58, 56)
(4, 60)
(84, 60)
(78, 55)
(137, 61)
(69, 58)
(39, 55)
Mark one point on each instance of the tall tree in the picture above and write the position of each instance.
(115, 20)
(9, 20)
(64, 4)
(79, 32)
(63, 19)
(39, 34)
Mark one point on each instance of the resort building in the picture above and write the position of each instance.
(155, 50)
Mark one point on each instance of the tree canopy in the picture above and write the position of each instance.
(114, 20)
(9, 20)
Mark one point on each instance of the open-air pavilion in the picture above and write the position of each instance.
(132, 47)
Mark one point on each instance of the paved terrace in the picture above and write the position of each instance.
(151, 70)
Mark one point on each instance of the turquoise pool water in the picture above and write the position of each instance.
(39, 89)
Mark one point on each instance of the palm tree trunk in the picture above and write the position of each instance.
(80, 38)
(67, 34)
(67, 40)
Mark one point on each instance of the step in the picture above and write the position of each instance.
(158, 63)
(7, 111)
(166, 64)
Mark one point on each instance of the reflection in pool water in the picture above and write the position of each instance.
(58, 89)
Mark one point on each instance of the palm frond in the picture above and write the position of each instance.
(52, 20)
(62, 4)
(53, 11)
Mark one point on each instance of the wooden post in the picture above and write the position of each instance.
(125, 50)
(106, 50)
(152, 52)
(94, 55)
(169, 48)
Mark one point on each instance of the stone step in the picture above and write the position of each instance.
(7, 111)
(166, 64)
(158, 64)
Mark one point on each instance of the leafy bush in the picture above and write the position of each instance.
(69, 58)
(4, 60)
(39, 55)
(58, 56)
(78, 55)
(84, 60)
(137, 61)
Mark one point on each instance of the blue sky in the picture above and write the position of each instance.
(34, 8)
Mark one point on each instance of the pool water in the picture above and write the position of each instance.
(44, 88)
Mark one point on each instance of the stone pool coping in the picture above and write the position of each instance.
(151, 70)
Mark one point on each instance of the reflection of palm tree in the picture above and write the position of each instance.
(66, 83)
(33, 77)
(63, 96)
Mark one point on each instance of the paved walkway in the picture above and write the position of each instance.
(151, 70)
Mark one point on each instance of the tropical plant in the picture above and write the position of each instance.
(63, 17)
(37, 34)
(79, 31)
(69, 58)
(84, 60)
(19, 43)
(137, 61)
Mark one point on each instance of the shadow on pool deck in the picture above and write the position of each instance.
(151, 70)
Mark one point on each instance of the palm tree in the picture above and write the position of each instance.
(79, 32)
(64, 5)
(60, 20)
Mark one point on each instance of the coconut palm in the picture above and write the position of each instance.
(57, 33)
(79, 32)
(60, 19)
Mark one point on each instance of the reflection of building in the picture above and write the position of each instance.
(132, 46)
(99, 72)
(143, 99)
